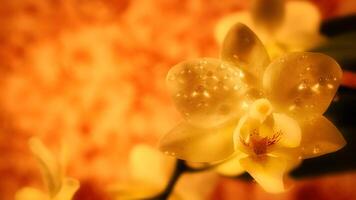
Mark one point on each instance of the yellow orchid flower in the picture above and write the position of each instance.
(252, 114)
(283, 26)
(58, 186)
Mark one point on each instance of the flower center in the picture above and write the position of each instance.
(259, 144)
(258, 130)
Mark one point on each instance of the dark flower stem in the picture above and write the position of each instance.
(180, 168)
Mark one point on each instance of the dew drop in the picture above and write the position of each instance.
(330, 86)
(222, 66)
(244, 105)
(302, 86)
(304, 56)
(315, 88)
(236, 87)
(206, 94)
(292, 107)
(242, 75)
(316, 149)
(194, 94)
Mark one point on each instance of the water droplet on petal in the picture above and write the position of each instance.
(194, 94)
(316, 150)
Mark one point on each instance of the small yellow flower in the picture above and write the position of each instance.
(254, 115)
(283, 26)
(58, 186)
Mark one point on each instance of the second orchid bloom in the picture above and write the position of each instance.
(251, 114)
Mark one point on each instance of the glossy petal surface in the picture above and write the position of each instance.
(223, 26)
(207, 92)
(148, 165)
(194, 144)
(232, 166)
(320, 137)
(242, 48)
(288, 128)
(292, 156)
(302, 83)
(267, 171)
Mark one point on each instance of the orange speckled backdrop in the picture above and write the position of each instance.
(90, 74)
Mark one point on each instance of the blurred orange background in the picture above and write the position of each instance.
(89, 74)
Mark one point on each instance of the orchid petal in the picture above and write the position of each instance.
(292, 156)
(267, 171)
(207, 92)
(288, 128)
(305, 34)
(242, 48)
(149, 165)
(320, 137)
(195, 144)
(232, 166)
(224, 25)
(302, 83)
